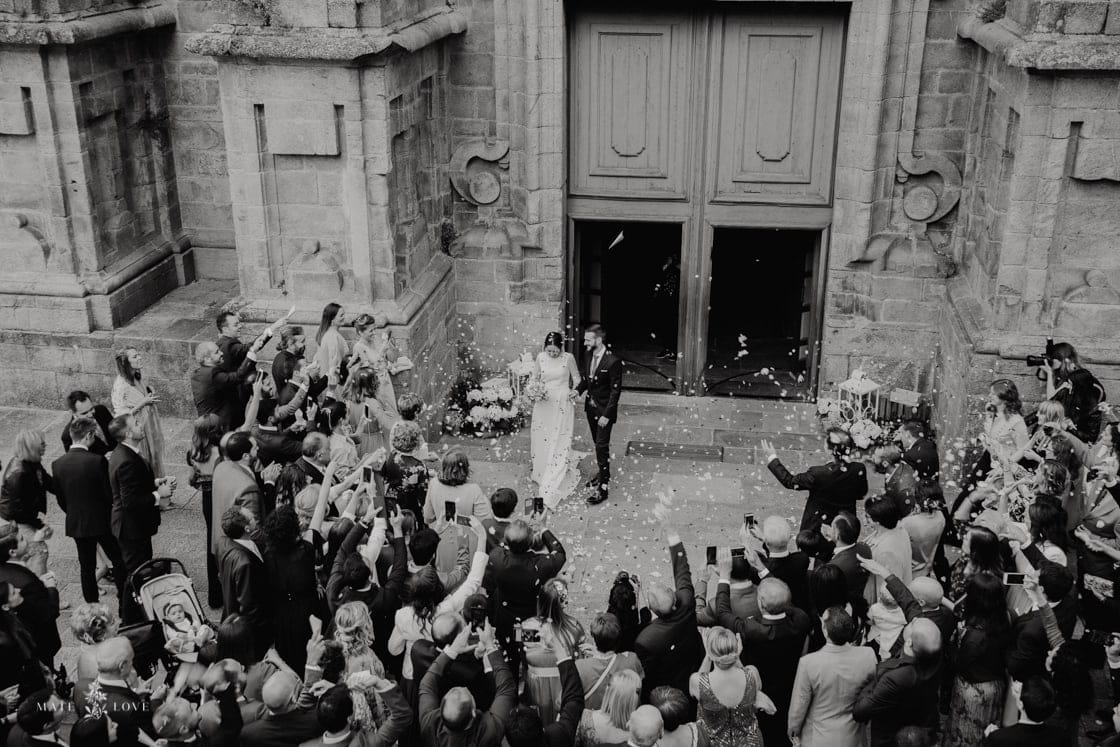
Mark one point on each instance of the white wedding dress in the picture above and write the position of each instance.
(554, 462)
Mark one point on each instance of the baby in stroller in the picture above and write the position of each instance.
(184, 636)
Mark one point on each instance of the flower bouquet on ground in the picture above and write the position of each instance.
(484, 409)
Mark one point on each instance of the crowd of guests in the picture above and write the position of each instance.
(364, 590)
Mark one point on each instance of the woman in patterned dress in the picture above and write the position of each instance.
(728, 694)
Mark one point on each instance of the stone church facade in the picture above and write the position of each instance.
(445, 163)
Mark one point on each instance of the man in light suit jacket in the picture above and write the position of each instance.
(826, 686)
(136, 493)
(670, 648)
(904, 689)
(81, 484)
(234, 482)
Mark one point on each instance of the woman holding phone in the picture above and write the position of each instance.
(452, 485)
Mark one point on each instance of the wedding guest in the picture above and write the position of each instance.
(332, 422)
(728, 682)
(826, 685)
(405, 475)
(369, 421)
(646, 727)
(920, 453)
(624, 602)
(781, 563)
(889, 543)
(844, 531)
(114, 693)
(244, 577)
(904, 689)
(91, 624)
(608, 724)
(900, 483)
(81, 405)
(924, 525)
(1036, 705)
(543, 684)
(453, 485)
(333, 349)
(833, 487)
(289, 351)
(503, 502)
(203, 457)
(286, 722)
(1029, 645)
(335, 714)
(605, 660)
(131, 396)
(20, 665)
(234, 483)
(376, 351)
(229, 342)
(675, 707)
(670, 648)
(316, 455)
(218, 390)
(38, 720)
(922, 598)
(464, 671)
(23, 495)
(294, 587)
(137, 493)
(81, 482)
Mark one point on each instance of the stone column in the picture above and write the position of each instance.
(89, 224)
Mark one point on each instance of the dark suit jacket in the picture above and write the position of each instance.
(233, 352)
(488, 727)
(100, 447)
(291, 728)
(130, 710)
(465, 671)
(562, 731)
(276, 445)
(922, 457)
(135, 514)
(245, 585)
(283, 366)
(833, 487)
(901, 486)
(495, 532)
(1026, 656)
(940, 616)
(794, 570)
(1034, 735)
(81, 485)
(603, 387)
(17, 737)
(903, 693)
(846, 560)
(513, 580)
(393, 728)
(670, 648)
(217, 391)
(39, 611)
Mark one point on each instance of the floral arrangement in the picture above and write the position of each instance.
(534, 391)
(866, 433)
(484, 409)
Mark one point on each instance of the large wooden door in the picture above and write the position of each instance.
(707, 118)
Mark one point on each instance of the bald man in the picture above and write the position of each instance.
(924, 597)
(782, 563)
(904, 690)
(217, 391)
(111, 693)
(646, 726)
(466, 671)
(285, 722)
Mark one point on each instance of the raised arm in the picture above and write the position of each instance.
(395, 725)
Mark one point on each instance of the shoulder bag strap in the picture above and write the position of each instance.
(602, 677)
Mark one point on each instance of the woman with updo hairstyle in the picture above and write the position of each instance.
(406, 476)
(375, 350)
(453, 484)
(91, 623)
(353, 631)
(728, 682)
(542, 678)
(609, 724)
(555, 376)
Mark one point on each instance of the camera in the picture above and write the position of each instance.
(1034, 361)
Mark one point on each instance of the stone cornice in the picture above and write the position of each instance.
(323, 44)
(1051, 52)
(85, 28)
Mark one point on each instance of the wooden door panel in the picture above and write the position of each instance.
(629, 113)
(777, 100)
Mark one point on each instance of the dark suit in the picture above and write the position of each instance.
(1026, 656)
(941, 616)
(39, 611)
(81, 485)
(1034, 735)
(291, 728)
(774, 647)
(276, 445)
(245, 590)
(903, 693)
(922, 457)
(234, 353)
(854, 574)
(487, 729)
(283, 366)
(393, 728)
(901, 486)
(131, 711)
(794, 570)
(218, 392)
(101, 446)
(670, 648)
(135, 516)
(833, 487)
(465, 671)
(495, 532)
(603, 387)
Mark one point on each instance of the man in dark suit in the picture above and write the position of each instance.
(81, 484)
(773, 643)
(844, 531)
(286, 722)
(833, 487)
(217, 391)
(136, 493)
(112, 695)
(289, 352)
(38, 720)
(904, 690)
(465, 671)
(1036, 705)
(919, 451)
(669, 648)
(39, 609)
(900, 482)
(81, 406)
(244, 578)
(922, 598)
(603, 386)
(503, 503)
(1026, 656)
(335, 710)
(781, 563)
(514, 575)
(315, 456)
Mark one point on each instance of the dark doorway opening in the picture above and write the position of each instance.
(629, 276)
(760, 312)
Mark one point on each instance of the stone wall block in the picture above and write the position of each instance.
(1084, 17)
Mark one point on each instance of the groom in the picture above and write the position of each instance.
(602, 385)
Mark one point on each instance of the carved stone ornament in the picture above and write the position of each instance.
(475, 170)
(924, 201)
(315, 271)
(503, 238)
(1096, 290)
(22, 260)
(1095, 158)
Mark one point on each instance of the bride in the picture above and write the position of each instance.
(553, 415)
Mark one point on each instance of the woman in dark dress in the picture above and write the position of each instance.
(290, 562)
(406, 476)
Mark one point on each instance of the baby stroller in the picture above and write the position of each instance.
(156, 586)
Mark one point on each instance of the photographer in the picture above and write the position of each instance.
(1075, 387)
